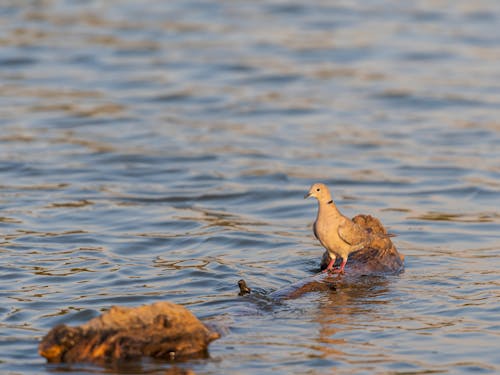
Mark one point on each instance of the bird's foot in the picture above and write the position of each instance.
(332, 270)
(330, 266)
(341, 269)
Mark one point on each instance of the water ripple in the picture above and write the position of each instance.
(160, 151)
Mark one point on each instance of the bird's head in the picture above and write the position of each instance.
(320, 192)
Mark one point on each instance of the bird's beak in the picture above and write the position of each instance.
(307, 195)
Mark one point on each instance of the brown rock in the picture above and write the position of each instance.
(379, 257)
(161, 330)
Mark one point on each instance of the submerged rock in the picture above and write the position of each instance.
(162, 330)
(244, 289)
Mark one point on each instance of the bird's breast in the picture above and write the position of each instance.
(326, 232)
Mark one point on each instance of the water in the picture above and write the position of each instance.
(160, 151)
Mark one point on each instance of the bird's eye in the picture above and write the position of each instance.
(317, 189)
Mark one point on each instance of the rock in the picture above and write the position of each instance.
(162, 330)
(244, 289)
(178, 371)
(380, 257)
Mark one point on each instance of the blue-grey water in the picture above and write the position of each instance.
(160, 150)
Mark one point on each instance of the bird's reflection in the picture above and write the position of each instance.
(341, 310)
(345, 303)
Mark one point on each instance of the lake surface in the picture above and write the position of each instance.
(160, 150)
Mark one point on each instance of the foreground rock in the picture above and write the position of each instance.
(162, 330)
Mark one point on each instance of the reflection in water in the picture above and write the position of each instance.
(462, 217)
(346, 310)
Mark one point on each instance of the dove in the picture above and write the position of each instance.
(338, 234)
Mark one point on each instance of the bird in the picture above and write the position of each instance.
(338, 234)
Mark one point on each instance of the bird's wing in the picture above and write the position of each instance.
(352, 233)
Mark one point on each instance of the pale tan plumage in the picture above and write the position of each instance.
(338, 234)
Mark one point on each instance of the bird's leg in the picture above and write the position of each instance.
(342, 265)
(330, 264)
